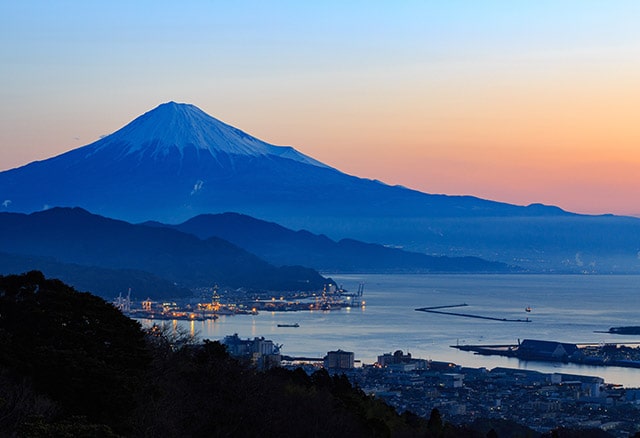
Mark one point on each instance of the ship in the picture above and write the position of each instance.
(289, 325)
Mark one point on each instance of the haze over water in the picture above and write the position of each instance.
(565, 308)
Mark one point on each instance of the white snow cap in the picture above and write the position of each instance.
(180, 125)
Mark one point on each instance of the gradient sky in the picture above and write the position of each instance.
(515, 101)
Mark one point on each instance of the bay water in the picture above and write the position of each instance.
(564, 308)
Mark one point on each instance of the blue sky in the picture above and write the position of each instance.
(458, 97)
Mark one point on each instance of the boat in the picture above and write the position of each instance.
(289, 325)
(527, 309)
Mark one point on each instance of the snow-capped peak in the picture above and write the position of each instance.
(180, 125)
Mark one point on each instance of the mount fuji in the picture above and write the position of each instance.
(168, 164)
(175, 162)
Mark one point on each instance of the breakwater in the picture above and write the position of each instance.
(437, 309)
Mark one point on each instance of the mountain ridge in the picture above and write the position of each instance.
(182, 182)
(282, 246)
(129, 167)
(104, 282)
(73, 236)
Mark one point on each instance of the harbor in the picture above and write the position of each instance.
(389, 318)
(211, 303)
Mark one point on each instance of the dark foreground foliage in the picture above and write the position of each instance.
(64, 353)
(71, 365)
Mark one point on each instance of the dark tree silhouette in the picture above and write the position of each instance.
(435, 421)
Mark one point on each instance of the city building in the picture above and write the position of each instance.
(340, 359)
(260, 351)
(402, 362)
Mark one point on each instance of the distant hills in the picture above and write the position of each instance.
(282, 246)
(104, 282)
(109, 256)
(87, 247)
(176, 162)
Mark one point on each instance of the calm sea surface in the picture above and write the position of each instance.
(564, 308)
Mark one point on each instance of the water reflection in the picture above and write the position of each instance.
(564, 308)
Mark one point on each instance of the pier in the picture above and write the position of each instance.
(436, 309)
(596, 354)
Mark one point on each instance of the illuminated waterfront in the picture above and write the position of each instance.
(563, 308)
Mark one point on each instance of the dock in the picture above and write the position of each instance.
(596, 354)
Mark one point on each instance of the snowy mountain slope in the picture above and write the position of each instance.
(172, 127)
